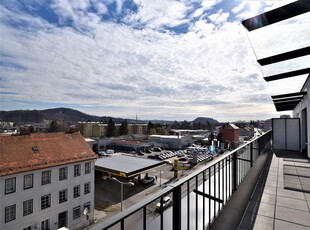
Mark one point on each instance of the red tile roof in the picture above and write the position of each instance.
(41, 150)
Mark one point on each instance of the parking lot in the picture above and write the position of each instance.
(108, 192)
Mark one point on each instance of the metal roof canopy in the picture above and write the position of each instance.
(277, 15)
(126, 166)
(287, 101)
(284, 56)
(287, 74)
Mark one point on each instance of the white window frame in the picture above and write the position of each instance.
(87, 188)
(63, 196)
(87, 167)
(74, 214)
(46, 177)
(10, 213)
(45, 224)
(27, 207)
(77, 170)
(10, 185)
(47, 201)
(28, 228)
(63, 173)
(76, 191)
(28, 181)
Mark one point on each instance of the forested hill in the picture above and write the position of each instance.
(58, 114)
(73, 116)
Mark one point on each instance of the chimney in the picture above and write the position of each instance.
(73, 130)
(24, 131)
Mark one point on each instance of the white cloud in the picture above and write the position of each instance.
(210, 3)
(101, 8)
(156, 14)
(219, 17)
(198, 12)
(121, 71)
(240, 7)
(270, 5)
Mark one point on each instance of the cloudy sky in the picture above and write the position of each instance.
(159, 59)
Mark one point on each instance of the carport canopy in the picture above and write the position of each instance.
(126, 166)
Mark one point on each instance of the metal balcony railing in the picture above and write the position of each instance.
(198, 198)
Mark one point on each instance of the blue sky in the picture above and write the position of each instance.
(159, 59)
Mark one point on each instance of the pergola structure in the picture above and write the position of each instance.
(285, 101)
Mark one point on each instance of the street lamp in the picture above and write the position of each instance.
(122, 184)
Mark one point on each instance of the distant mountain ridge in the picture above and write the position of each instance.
(204, 120)
(73, 116)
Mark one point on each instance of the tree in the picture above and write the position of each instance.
(53, 127)
(185, 125)
(209, 125)
(197, 125)
(111, 129)
(151, 130)
(175, 125)
(123, 130)
(31, 129)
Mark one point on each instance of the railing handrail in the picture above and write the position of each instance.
(136, 207)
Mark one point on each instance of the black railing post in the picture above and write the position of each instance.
(235, 171)
(259, 146)
(251, 154)
(176, 210)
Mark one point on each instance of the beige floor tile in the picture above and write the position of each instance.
(290, 194)
(292, 203)
(293, 216)
(283, 225)
(263, 223)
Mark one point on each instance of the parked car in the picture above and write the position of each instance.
(102, 153)
(167, 201)
(183, 159)
(110, 151)
(148, 180)
(157, 149)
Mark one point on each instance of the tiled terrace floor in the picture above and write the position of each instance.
(281, 199)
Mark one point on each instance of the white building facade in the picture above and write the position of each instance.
(48, 198)
(302, 111)
(170, 142)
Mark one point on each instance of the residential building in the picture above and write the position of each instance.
(46, 181)
(229, 135)
(140, 129)
(246, 133)
(97, 129)
(86, 128)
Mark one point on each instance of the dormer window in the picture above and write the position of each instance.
(35, 148)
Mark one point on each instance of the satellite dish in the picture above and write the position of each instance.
(85, 212)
